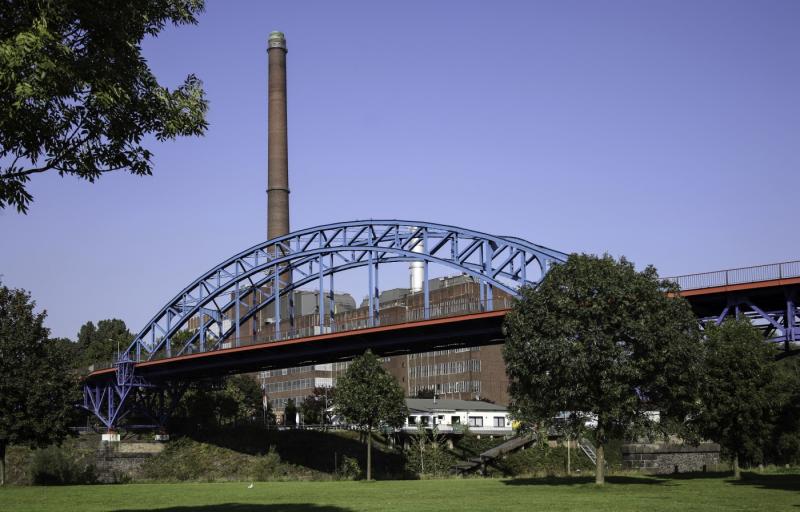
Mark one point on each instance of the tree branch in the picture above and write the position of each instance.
(53, 164)
(26, 172)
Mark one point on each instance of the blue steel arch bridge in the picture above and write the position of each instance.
(208, 328)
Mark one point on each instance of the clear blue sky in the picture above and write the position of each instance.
(665, 131)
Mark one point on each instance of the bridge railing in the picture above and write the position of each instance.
(387, 317)
(393, 315)
(735, 276)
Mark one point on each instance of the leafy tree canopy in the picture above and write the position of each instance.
(76, 95)
(207, 406)
(290, 413)
(738, 402)
(37, 388)
(315, 406)
(599, 338)
(368, 396)
(100, 343)
(784, 447)
(426, 393)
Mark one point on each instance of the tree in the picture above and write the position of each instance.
(784, 447)
(428, 453)
(37, 388)
(315, 406)
(269, 416)
(736, 395)
(599, 338)
(426, 393)
(76, 95)
(368, 396)
(210, 405)
(100, 344)
(290, 413)
(247, 395)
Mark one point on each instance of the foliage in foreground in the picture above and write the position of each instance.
(783, 444)
(76, 95)
(70, 463)
(368, 396)
(37, 389)
(60, 465)
(599, 338)
(738, 402)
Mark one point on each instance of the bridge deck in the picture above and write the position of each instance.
(739, 279)
(450, 332)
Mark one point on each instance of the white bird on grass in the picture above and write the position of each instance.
(251, 485)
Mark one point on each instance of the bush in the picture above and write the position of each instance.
(267, 467)
(433, 460)
(59, 465)
(349, 469)
(544, 460)
(188, 460)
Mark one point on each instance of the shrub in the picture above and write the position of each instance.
(544, 460)
(267, 467)
(349, 469)
(188, 460)
(59, 465)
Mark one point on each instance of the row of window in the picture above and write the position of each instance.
(472, 421)
(448, 368)
(290, 385)
(497, 421)
(444, 352)
(280, 403)
(287, 371)
(461, 386)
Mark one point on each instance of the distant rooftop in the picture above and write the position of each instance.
(430, 405)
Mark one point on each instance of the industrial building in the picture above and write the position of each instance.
(471, 373)
(458, 373)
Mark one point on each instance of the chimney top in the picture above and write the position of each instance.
(276, 40)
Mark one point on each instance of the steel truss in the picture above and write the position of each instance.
(227, 296)
(780, 326)
(106, 399)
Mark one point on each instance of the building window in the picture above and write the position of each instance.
(476, 421)
(499, 421)
(412, 420)
(455, 420)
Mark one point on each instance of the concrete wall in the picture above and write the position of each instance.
(663, 458)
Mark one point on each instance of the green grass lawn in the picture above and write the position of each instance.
(713, 492)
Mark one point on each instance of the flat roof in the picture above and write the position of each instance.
(439, 405)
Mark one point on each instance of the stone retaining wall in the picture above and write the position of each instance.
(662, 458)
(121, 462)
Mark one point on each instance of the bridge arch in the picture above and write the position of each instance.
(225, 297)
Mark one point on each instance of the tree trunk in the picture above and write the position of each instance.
(569, 461)
(600, 470)
(2, 463)
(369, 454)
(737, 473)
